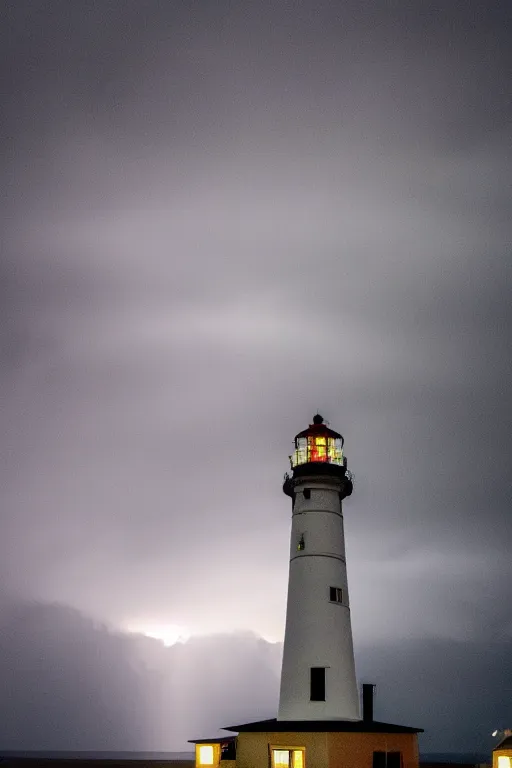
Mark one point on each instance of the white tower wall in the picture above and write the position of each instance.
(318, 631)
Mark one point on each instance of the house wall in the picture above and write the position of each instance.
(253, 749)
(355, 750)
(327, 750)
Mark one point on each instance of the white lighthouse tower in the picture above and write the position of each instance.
(318, 680)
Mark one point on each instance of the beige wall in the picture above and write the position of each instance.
(327, 750)
(347, 750)
(253, 748)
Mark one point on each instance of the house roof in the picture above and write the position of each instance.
(223, 740)
(505, 743)
(319, 726)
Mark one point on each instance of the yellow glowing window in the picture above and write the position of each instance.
(206, 755)
(504, 761)
(281, 758)
(288, 758)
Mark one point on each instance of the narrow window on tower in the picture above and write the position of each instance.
(317, 684)
(307, 493)
(335, 594)
(302, 544)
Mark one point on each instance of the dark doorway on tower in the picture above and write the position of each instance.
(317, 689)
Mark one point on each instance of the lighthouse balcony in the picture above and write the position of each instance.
(318, 469)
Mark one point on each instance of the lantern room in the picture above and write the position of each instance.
(318, 443)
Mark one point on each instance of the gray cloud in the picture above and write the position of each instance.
(74, 684)
(217, 221)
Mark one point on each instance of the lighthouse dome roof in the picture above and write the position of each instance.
(319, 428)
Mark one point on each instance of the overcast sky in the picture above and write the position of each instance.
(220, 217)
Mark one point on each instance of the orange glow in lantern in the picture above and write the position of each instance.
(318, 443)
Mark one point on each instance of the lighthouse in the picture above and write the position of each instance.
(318, 680)
(318, 723)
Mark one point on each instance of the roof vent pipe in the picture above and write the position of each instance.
(368, 691)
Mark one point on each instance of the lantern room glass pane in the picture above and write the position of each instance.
(334, 450)
(317, 448)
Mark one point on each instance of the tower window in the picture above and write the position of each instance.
(335, 594)
(317, 684)
(302, 544)
(307, 493)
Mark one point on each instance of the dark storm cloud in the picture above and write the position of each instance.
(220, 218)
(68, 684)
(71, 684)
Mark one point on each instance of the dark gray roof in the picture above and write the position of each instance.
(223, 740)
(320, 726)
(506, 743)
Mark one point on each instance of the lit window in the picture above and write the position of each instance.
(288, 758)
(281, 758)
(504, 761)
(335, 594)
(206, 755)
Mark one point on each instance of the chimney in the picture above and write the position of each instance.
(368, 690)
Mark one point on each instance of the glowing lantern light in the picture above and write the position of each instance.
(318, 443)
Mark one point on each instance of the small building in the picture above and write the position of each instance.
(275, 743)
(502, 752)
